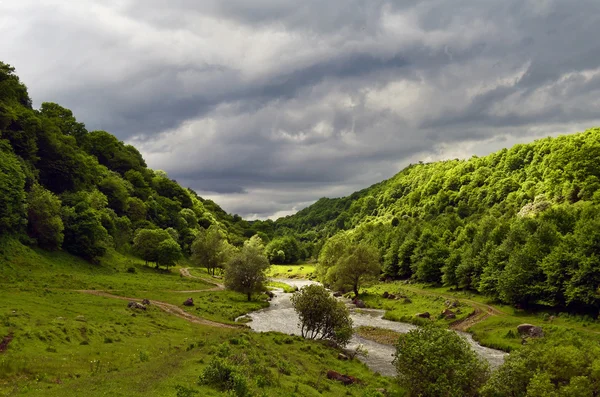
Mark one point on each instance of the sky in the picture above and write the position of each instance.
(265, 106)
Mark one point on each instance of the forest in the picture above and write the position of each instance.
(520, 225)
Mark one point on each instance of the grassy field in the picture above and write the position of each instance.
(493, 325)
(69, 343)
(292, 271)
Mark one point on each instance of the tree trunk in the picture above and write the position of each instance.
(355, 289)
(249, 296)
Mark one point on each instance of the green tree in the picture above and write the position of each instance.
(84, 234)
(246, 271)
(321, 315)
(168, 252)
(147, 241)
(12, 194)
(210, 249)
(433, 361)
(359, 264)
(44, 221)
(561, 364)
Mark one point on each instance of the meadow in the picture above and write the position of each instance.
(69, 342)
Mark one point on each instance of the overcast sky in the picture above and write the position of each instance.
(267, 105)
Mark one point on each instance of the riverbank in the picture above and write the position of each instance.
(490, 324)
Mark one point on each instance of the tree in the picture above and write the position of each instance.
(433, 361)
(147, 241)
(246, 271)
(84, 234)
(321, 315)
(346, 266)
(561, 364)
(44, 222)
(12, 184)
(168, 252)
(210, 249)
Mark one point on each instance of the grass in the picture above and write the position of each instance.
(70, 343)
(379, 335)
(285, 287)
(409, 303)
(292, 271)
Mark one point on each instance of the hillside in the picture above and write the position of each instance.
(63, 186)
(519, 225)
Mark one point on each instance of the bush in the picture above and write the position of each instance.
(321, 315)
(223, 376)
(433, 361)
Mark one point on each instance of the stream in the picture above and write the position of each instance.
(281, 317)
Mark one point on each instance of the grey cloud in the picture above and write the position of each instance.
(266, 106)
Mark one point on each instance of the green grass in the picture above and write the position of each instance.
(70, 343)
(285, 287)
(292, 271)
(409, 304)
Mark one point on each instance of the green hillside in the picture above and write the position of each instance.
(519, 225)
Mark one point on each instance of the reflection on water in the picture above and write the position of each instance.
(281, 317)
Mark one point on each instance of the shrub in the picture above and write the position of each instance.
(223, 376)
(433, 361)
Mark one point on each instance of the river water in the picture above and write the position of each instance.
(281, 317)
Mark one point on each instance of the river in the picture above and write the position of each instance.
(281, 317)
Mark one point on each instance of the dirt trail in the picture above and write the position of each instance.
(166, 307)
(482, 310)
(185, 272)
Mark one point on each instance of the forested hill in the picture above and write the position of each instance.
(521, 225)
(62, 186)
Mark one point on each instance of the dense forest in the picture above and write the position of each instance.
(521, 225)
(63, 187)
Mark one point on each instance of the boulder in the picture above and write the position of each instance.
(146, 302)
(391, 296)
(406, 300)
(360, 304)
(135, 305)
(269, 294)
(530, 330)
(385, 295)
(448, 314)
(337, 294)
(342, 356)
(345, 379)
(188, 302)
(424, 315)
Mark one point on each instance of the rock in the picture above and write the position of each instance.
(448, 314)
(345, 379)
(342, 356)
(424, 315)
(135, 305)
(360, 304)
(391, 296)
(382, 391)
(337, 294)
(407, 300)
(188, 302)
(530, 330)
(385, 295)
(146, 302)
(269, 294)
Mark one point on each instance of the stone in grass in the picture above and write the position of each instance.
(424, 315)
(345, 379)
(448, 314)
(530, 330)
(146, 302)
(342, 356)
(188, 302)
(359, 303)
(135, 305)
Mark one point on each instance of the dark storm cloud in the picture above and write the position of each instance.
(265, 106)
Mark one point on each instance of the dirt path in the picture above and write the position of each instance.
(482, 310)
(166, 307)
(185, 272)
